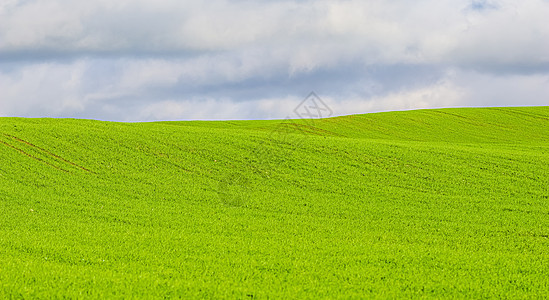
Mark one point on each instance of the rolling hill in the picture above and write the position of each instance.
(428, 203)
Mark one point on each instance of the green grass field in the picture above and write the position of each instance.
(446, 203)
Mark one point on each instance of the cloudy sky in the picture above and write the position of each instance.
(137, 60)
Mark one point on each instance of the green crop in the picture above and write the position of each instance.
(446, 203)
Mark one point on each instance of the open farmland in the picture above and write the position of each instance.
(428, 203)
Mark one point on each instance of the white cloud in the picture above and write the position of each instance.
(42, 90)
(505, 90)
(158, 59)
(515, 34)
(308, 34)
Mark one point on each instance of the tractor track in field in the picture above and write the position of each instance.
(33, 157)
(43, 151)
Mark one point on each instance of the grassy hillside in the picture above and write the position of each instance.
(429, 203)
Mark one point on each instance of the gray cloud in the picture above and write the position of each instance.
(148, 60)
